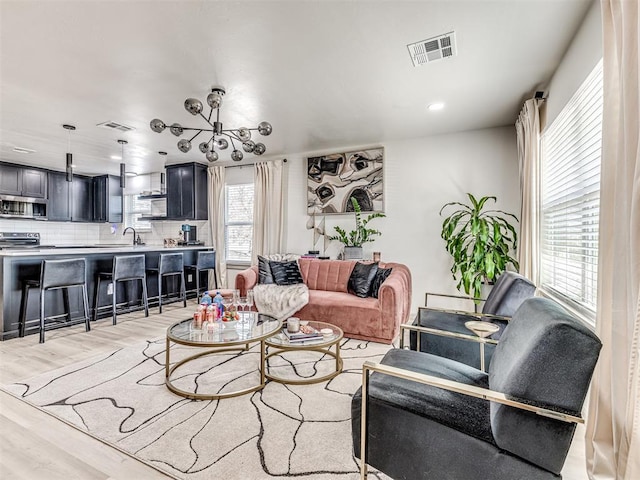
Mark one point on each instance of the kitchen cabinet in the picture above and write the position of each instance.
(59, 205)
(26, 182)
(107, 199)
(82, 199)
(187, 192)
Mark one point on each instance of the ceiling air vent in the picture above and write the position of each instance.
(115, 126)
(433, 49)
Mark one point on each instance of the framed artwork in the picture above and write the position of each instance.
(332, 180)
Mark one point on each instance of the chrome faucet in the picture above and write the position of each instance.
(134, 234)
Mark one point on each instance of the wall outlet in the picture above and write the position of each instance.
(189, 278)
(110, 289)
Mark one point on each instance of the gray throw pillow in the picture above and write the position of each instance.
(361, 278)
(285, 273)
(378, 280)
(264, 271)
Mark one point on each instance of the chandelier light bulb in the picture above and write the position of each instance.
(236, 155)
(157, 125)
(184, 145)
(259, 149)
(193, 106)
(204, 147)
(212, 156)
(265, 128)
(222, 143)
(214, 99)
(244, 134)
(249, 146)
(176, 129)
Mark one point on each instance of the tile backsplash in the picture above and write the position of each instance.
(69, 233)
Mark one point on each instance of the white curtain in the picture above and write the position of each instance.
(613, 421)
(528, 135)
(268, 209)
(216, 222)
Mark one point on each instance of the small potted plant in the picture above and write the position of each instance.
(480, 242)
(354, 240)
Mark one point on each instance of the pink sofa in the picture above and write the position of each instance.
(376, 319)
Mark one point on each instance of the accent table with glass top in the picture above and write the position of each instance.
(252, 328)
(279, 343)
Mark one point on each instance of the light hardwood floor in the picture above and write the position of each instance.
(35, 445)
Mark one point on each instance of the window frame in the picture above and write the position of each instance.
(130, 214)
(228, 223)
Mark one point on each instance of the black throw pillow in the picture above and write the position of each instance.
(378, 280)
(361, 278)
(285, 273)
(264, 271)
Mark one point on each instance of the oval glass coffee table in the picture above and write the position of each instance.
(279, 344)
(253, 328)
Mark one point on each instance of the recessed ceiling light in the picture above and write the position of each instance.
(116, 157)
(131, 174)
(434, 107)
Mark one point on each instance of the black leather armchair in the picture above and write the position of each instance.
(426, 417)
(508, 293)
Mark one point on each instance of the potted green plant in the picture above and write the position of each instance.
(354, 240)
(480, 242)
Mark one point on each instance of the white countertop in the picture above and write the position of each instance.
(89, 250)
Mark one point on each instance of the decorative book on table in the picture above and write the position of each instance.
(305, 333)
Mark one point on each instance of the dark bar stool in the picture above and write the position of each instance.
(170, 264)
(205, 261)
(55, 275)
(125, 268)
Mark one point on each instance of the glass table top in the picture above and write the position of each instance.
(251, 327)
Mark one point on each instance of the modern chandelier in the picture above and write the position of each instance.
(241, 135)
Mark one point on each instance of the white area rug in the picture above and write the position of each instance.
(282, 431)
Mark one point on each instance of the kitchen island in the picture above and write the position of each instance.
(19, 265)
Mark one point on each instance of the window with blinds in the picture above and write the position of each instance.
(238, 222)
(570, 196)
(134, 208)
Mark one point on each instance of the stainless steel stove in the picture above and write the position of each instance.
(10, 240)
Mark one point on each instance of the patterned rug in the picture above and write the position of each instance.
(282, 431)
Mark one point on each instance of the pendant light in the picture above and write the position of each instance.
(123, 172)
(69, 165)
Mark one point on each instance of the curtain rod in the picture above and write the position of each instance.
(250, 164)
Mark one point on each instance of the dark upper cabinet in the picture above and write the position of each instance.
(187, 192)
(27, 182)
(107, 199)
(82, 199)
(59, 205)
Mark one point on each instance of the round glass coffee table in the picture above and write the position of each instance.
(252, 328)
(279, 344)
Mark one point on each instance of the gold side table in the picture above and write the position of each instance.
(279, 344)
(253, 328)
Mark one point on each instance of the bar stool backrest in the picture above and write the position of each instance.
(63, 273)
(128, 266)
(170, 263)
(206, 260)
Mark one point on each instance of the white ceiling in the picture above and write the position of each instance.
(326, 74)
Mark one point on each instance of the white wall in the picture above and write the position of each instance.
(579, 60)
(421, 175)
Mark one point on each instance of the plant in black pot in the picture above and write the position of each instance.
(354, 240)
(480, 241)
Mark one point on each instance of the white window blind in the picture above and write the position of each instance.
(238, 222)
(134, 208)
(570, 196)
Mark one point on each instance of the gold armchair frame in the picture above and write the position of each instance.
(470, 390)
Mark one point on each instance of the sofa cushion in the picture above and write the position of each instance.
(285, 273)
(264, 271)
(361, 278)
(328, 275)
(378, 280)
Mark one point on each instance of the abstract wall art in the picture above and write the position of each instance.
(332, 180)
